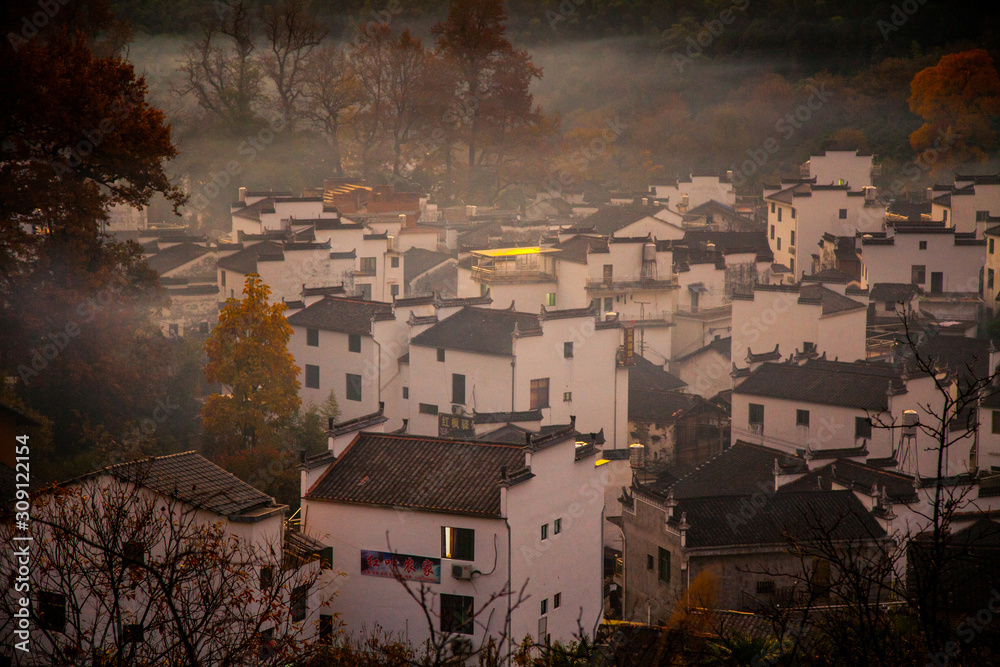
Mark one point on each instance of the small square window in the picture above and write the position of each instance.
(843, 214)
(457, 614)
(557, 526)
(756, 415)
(458, 543)
(428, 409)
(550, 299)
(539, 394)
(353, 387)
(568, 350)
(325, 556)
(394, 290)
(394, 262)
(312, 376)
(52, 611)
(545, 531)
(923, 245)
(556, 600)
(567, 396)
(802, 418)
(862, 428)
(133, 554)
(312, 337)
(354, 342)
(545, 606)
(440, 353)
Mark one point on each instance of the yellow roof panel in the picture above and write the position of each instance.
(512, 252)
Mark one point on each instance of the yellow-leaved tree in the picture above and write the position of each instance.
(248, 355)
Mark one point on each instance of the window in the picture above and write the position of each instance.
(394, 262)
(996, 421)
(550, 299)
(922, 245)
(609, 304)
(132, 633)
(545, 606)
(557, 526)
(862, 427)
(406, 392)
(368, 266)
(326, 628)
(394, 290)
(556, 600)
(779, 243)
(133, 554)
(568, 350)
(772, 232)
(366, 292)
(779, 215)
(756, 414)
(802, 418)
(440, 354)
(791, 265)
(299, 603)
(945, 218)
(312, 337)
(354, 342)
(843, 214)
(982, 216)
(539, 393)
(266, 577)
(458, 388)
(793, 214)
(52, 611)
(765, 587)
(567, 396)
(456, 613)
(991, 246)
(989, 278)
(222, 277)
(353, 387)
(173, 329)
(458, 543)
(266, 643)
(650, 562)
(609, 275)
(325, 558)
(772, 207)
(427, 409)
(545, 531)
(664, 565)
(312, 376)
(808, 347)
(918, 274)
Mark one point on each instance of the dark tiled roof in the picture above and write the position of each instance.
(253, 211)
(193, 479)
(352, 316)
(732, 242)
(417, 261)
(417, 472)
(862, 386)
(722, 522)
(856, 476)
(483, 330)
(828, 276)
(175, 256)
(358, 423)
(245, 261)
(662, 407)
(969, 357)
(832, 302)
(574, 249)
(323, 291)
(723, 346)
(647, 375)
(893, 292)
(609, 219)
(508, 433)
(507, 417)
(347, 254)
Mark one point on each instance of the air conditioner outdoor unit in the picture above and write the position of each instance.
(457, 409)
(462, 572)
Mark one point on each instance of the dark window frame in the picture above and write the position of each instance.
(311, 373)
(349, 394)
(458, 543)
(312, 337)
(457, 614)
(538, 393)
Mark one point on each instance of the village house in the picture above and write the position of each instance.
(699, 187)
(971, 204)
(471, 537)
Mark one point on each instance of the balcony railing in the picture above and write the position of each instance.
(489, 275)
(631, 283)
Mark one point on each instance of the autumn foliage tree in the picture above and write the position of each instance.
(248, 355)
(961, 96)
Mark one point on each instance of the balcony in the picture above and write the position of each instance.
(493, 276)
(514, 265)
(633, 283)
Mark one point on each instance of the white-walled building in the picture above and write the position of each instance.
(841, 167)
(482, 360)
(800, 212)
(469, 524)
(971, 204)
(802, 320)
(991, 272)
(188, 274)
(699, 188)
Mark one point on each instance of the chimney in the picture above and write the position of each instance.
(729, 175)
(243, 194)
(402, 221)
(930, 194)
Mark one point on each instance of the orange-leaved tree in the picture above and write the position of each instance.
(959, 100)
(248, 354)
